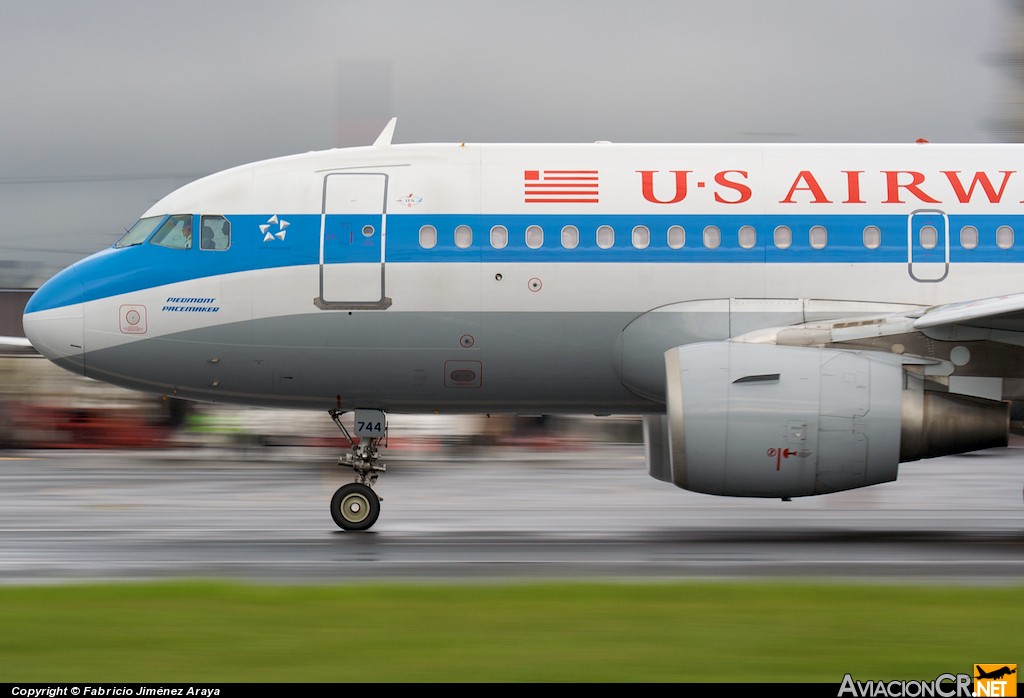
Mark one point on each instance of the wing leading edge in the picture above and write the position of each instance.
(997, 313)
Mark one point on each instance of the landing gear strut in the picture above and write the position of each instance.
(355, 506)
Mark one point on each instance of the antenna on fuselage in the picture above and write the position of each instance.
(387, 134)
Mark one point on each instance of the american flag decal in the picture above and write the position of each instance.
(560, 186)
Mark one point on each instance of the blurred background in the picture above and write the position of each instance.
(108, 105)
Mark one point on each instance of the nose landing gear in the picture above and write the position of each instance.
(355, 506)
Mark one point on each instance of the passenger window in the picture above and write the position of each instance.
(641, 237)
(463, 236)
(712, 237)
(570, 237)
(676, 237)
(499, 237)
(175, 233)
(748, 237)
(819, 237)
(534, 237)
(929, 237)
(783, 237)
(605, 237)
(428, 237)
(216, 233)
(968, 237)
(1004, 237)
(368, 231)
(872, 237)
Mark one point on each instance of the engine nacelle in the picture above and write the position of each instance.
(757, 420)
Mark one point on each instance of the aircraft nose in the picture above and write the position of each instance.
(54, 320)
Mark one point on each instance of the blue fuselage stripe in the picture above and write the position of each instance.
(117, 271)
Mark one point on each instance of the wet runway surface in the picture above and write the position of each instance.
(261, 515)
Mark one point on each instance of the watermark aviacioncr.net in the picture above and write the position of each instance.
(987, 681)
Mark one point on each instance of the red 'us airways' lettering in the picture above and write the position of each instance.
(900, 187)
(733, 180)
(732, 186)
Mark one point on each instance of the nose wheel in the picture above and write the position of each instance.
(355, 507)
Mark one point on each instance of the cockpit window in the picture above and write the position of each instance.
(216, 233)
(176, 233)
(138, 233)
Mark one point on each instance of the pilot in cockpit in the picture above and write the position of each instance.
(207, 242)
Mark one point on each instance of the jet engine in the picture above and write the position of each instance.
(759, 420)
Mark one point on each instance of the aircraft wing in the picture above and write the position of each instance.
(998, 319)
(998, 313)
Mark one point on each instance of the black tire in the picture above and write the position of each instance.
(355, 507)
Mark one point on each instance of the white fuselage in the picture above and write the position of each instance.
(524, 278)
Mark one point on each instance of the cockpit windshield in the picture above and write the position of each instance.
(138, 233)
(176, 233)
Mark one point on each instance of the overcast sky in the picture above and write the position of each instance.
(106, 105)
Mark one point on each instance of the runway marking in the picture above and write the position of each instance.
(17, 458)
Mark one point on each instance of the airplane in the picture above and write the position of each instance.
(787, 320)
(995, 674)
